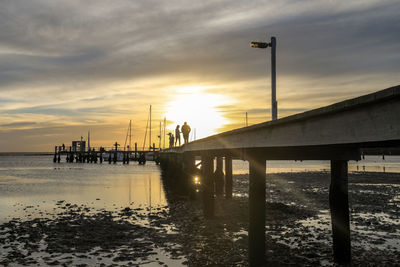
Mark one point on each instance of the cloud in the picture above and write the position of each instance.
(107, 63)
(210, 40)
(19, 124)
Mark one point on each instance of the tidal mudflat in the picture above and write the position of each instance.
(174, 233)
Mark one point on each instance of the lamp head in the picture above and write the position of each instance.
(259, 44)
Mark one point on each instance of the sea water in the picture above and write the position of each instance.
(34, 187)
(36, 180)
(368, 164)
(31, 186)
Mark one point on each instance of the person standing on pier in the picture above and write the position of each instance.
(185, 132)
(177, 135)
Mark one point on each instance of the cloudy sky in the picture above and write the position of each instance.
(68, 66)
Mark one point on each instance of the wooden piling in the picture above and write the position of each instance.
(208, 185)
(188, 173)
(228, 177)
(339, 206)
(55, 154)
(219, 178)
(257, 211)
(70, 156)
(136, 151)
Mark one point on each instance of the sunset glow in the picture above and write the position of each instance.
(66, 69)
(199, 109)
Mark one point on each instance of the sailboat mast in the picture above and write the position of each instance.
(88, 138)
(150, 131)
(164, 132)
(159, 141)
(127, 134)
(145, 134)
(130, 135)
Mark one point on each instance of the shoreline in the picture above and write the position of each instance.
(4, 154)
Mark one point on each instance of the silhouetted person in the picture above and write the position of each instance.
(177, 135)
(171, 140)
(63, 147)
(185, 132)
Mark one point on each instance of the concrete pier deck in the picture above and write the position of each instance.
(336, 132)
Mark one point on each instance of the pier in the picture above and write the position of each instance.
(78, 152)
(338, 133)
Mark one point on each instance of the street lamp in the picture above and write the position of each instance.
(272, 44)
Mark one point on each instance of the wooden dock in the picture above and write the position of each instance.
(81, 154)
(338, 132)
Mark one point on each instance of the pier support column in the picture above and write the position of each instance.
(219, 178)
(228, 177)
(188, 173)
(257, 211)
(339, 206)
(207, 169)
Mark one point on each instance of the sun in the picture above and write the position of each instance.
(199, 108)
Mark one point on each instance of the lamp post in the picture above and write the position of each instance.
(272, 44)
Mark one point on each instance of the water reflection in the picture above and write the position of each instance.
(37, 181)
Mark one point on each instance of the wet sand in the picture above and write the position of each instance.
(298, 229)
